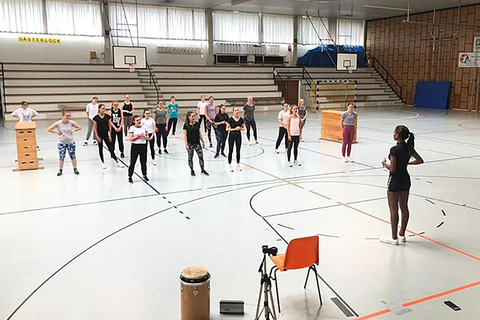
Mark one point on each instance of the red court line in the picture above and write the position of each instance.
(375, 314)
(441, 294)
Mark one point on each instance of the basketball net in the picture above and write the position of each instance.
(131, 67)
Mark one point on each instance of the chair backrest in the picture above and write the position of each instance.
(93, 55)
(301, 253)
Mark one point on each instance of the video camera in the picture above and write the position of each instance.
(272, 251)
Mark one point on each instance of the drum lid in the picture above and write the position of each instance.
(194, 274)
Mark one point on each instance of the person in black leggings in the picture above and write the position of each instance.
(128, 112)
(138, 136)
(117, 127)
(221, 130)
(399, 181)
(234, 126)
(249, 115)
(161, 127)
(149, 123)
(294, 131)
(102, 128)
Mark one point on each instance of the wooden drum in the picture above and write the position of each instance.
(195, 293)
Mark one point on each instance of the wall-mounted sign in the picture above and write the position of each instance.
(469, 60)
(39, 40)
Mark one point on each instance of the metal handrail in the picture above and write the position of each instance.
(388, 77)
(305, 76)
(153, 80)
(2, 100)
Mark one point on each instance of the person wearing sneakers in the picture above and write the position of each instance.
(192, 137)
(201, 112)
(221, 133)
(399, 181)
(172, 115)
(234, 126)
(149, 123)
(302, 112)
(102, 129)
(161, 127)
(25, 114)
(65, 128)
(117, 128)
(282, 127)
(128, 112)
(249, 116)
(294, 131)
(92, 111)
(348, 131)
(138, 137)
(210, 113)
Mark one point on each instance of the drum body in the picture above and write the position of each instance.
(195, 294)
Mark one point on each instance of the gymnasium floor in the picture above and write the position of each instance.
(95, 247)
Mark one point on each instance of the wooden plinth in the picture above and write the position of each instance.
(26, 146)
(332, 127)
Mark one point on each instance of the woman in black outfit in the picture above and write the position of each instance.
(234, 125)
(102, 128)
(139, 137)
(117, 128)
(192, 137)
(128, 111)
(221, 130)
(399, 181)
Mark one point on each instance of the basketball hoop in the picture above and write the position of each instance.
(131, 67)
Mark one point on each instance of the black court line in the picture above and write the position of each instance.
(280, 235)
(320, 207)
(109, 236)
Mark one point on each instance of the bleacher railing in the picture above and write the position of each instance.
(153, 79)
(386, 76)
(2, 85)
(293, 73)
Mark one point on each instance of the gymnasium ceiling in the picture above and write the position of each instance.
(356, 9)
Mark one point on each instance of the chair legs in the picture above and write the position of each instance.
(316, 278)
(274, 278)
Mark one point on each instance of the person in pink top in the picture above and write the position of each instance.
(294, 131)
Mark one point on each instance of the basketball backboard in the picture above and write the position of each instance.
(347, 61)
(125, 57)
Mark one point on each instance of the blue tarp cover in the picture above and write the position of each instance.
(432, 94)
(318, 57)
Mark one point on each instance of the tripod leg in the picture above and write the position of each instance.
(306, 280)
(258, 303)
(273, 306)
(318, 286)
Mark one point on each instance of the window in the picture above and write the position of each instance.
(313, 31)
(277, 28)
(74, 18)
(235, 27)
(21, 16)
(350, 32)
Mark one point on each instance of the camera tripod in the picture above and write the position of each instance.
(265, 286)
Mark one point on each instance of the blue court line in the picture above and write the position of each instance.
(95, 202)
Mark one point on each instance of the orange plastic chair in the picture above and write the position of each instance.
(301, 253)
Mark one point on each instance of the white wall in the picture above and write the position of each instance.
(70, 49)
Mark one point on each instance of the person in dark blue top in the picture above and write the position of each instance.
(399, 181)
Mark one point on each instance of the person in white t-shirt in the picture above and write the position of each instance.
(138, 136)
(149, 123)
(25, 114)
(282, 126)
(92, 111)
(201, 112)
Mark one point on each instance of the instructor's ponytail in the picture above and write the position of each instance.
(406, 136)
